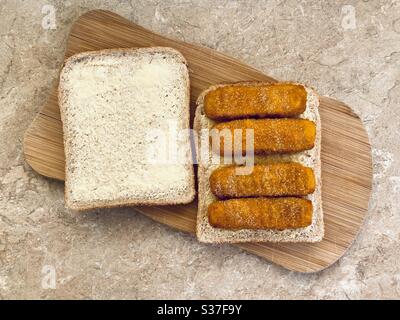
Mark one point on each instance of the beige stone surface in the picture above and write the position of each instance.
(121, 254)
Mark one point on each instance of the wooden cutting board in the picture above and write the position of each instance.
(346, 153)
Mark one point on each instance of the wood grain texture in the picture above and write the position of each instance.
(346, 153)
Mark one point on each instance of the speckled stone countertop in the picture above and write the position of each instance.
(349, 50)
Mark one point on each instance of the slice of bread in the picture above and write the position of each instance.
(110, 100)
(311, 158)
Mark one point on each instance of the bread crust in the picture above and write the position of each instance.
(62, 98)
(311, 158)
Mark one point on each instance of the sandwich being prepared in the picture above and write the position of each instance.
(279, 199)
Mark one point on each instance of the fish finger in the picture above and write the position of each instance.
(261, 213)
(275, 179)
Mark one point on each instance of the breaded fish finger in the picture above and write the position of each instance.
(270, 135)
(261, 213)
(267, 100)
(275, 179)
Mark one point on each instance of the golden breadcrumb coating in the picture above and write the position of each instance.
(275, 179)
(269, 100)
(261, 213)
(271, 136)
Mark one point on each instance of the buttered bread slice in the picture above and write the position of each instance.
(110, 102)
